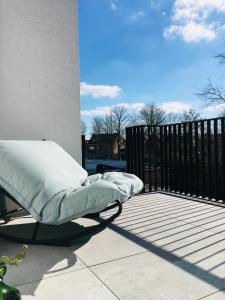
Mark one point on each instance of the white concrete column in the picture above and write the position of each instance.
(39, 72)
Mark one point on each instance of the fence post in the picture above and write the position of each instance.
(162, 172)
(83, 150)
(142, 146)
(223, 158)
(128, 149)
(216, 157)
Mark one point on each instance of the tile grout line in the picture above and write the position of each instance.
(207, 296)
(53, 276)
(99, 278)
(115, 259)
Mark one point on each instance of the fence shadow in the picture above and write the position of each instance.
(191, 240)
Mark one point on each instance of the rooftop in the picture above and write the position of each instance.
(161, 247)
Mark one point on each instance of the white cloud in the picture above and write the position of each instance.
(132, 106)
(112, 5)
(137, 15)
(98, 111)
(99, 91)
(191, 32)
(175, 106)
(196, 10)
(168, 107)
(192, 20)
(215, 108)
(105, 110)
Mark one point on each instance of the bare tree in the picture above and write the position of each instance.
(83, 127)
(120, 121)
(108, 123)
(113, 123)
(151, 114)
(134, 119)
(98, 125)
(172, 118)
(190, 115)
(221, 58)
(213, 94)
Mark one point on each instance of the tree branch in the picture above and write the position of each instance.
(212, 94)
(221, 58)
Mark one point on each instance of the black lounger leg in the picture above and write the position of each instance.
(36, 228)
(92, 216)
(65, 241)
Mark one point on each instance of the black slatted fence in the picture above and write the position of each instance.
(185, 158)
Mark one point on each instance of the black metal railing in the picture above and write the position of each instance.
(186, 158)
(83, 145)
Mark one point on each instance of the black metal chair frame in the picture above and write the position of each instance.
(61, 241)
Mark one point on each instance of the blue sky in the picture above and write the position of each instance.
(143, 51)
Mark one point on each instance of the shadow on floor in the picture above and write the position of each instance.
(199, 251)
(172, 229)
(41, 261)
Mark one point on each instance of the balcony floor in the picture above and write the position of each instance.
(161, 247)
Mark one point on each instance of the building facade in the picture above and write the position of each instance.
(39, 72)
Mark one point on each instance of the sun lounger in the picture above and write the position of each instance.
(54, 189)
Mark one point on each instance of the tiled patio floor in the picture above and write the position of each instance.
(161, 247)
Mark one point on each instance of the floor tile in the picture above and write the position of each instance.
(106, 245)
(148, 276)
(78, 285)
(41, 262)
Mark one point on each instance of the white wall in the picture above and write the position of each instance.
(39, 72)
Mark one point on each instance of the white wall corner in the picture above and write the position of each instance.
(39, 72)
